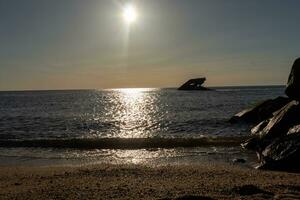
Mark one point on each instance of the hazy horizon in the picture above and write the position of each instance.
(74, 44)
(137, 88)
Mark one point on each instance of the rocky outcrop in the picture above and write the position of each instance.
(282, 121)
(293, 85)
(276, 137)
(256, 129)
(260, 112)
(282, 153)
(276, 127)
(194, 84)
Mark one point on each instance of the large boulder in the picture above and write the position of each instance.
(283, 120)
(283, 153)
(278, 126)
(276, 137)
(293, 85)
(277, 140)
(260, 112)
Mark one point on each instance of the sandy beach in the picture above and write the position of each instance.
(207, 181)
(154, 100)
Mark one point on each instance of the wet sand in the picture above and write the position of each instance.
(207, 181)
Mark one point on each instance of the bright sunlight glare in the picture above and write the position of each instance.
(129, 14)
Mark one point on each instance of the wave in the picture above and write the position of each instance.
(123, 143)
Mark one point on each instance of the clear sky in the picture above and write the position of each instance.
(80, 44)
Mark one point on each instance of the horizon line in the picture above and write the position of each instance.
(103, 89)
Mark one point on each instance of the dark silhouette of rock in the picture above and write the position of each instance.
(256, 129)
(278, 126)
(283, 120)
(277, 143)
(293, 85)
(260, 112)
(194, 84)
(276, 137)
(283, 153)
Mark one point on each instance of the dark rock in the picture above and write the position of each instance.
(284, 119)
(277, 143)
(256, 129)
(260, 112)
(294, 130)
(194, 84)
(283, 153)
(278, 126)
(293, 85)
(276, 139)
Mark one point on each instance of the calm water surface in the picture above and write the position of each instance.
(124, 113)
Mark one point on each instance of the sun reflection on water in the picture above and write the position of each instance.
(135, 110)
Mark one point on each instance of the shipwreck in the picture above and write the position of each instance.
(194, 84)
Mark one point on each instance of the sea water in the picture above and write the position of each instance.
(59, 127)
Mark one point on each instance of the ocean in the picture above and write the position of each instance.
(139, 126)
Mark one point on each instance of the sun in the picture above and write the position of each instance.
(129, 14)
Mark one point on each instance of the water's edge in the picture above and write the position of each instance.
(124, 143)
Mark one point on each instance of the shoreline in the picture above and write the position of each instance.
(108, 181)
(125, 143)
(154, 157)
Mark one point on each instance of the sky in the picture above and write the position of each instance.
(76, 44)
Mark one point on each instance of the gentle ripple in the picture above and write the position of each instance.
(126, 113)
(70, 127)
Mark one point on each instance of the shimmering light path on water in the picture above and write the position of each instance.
(68, 122)
(126, 113)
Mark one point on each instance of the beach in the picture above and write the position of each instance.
(107, 181)
(133, 144)
(158, 100)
